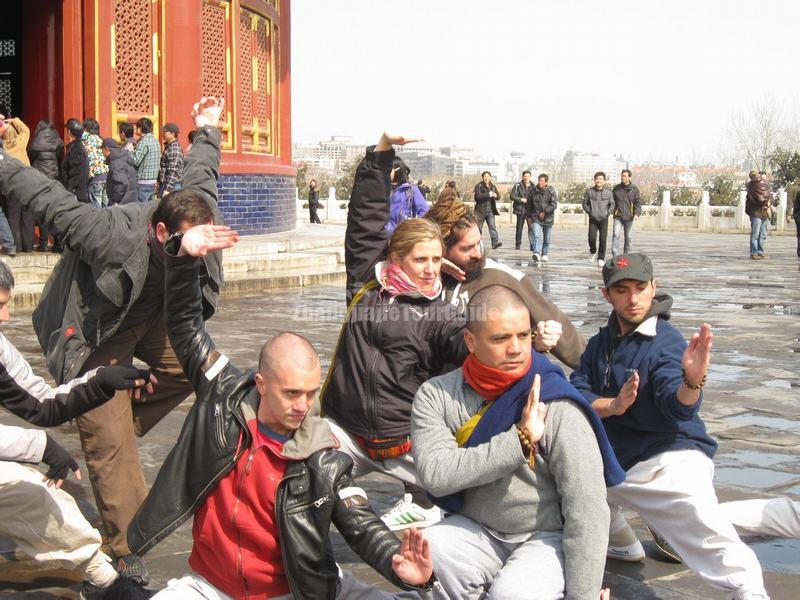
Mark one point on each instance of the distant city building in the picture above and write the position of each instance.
(580, 167)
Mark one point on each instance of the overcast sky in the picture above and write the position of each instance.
(647, 79)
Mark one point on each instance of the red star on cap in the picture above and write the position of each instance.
(622, 262)
(69, 331)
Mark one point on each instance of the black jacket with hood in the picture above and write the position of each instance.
(122, 185)
(543, 201)
(316, 489)
(388, 346)
(627, 202)
(46, 150)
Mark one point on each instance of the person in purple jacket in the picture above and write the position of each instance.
(405, 201)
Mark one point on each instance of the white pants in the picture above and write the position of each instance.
(48, 526)
(471, 563)
(194, 587)
(674, 493)
(401, 468)
(778, 517)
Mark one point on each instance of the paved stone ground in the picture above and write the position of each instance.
(750, 403)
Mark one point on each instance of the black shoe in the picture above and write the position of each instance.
(121, 588)
(517, 247)
(133, 567)
(497, 245)
(40, 249)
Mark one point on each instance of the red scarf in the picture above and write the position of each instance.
(489, 382)
(397, 282)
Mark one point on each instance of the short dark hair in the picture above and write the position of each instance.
(528, 172)
(126, 129)
(6, 277)
(401, 174)
(185, 205)
(91, 125)
(489, 302)
(628, 171)
(191, 135)
(543, 176)
(75, 127)
(599, 174)
(145, 125)
(486, 173)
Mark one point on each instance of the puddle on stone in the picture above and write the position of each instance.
(723, 372)
(795, 491)
(740, 357)
(758, 459)
(752, 477)
(781, 384)
(779, 556)
(765, 420)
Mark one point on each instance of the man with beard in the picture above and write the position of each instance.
(470, 270)
(646, 384)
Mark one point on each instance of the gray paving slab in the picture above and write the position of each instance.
(753, 307)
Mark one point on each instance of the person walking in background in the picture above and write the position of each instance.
(126, 139)
(520, 195)
(486, 196)
(75, 167)
(147, 159)
(15, 135)
(46, 151)
(627, 206)
(405, 201)
(423, 189)
(313, 202)
(541, 215)
(122, 186)
(796, 217)
(758, 205)
(170, 172)
(598, 203)
(98, 169)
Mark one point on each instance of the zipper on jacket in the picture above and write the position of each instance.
(282, 535)
(234, 522)
(372, 379)
(219, 426)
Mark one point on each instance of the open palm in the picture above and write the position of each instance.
(697, 355)
(413, 564)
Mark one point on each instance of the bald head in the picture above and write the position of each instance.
(287, 347)
(489, 303)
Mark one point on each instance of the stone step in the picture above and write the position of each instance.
(257, 283)
(282, 263)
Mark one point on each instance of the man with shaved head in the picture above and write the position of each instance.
(526, 494)
(261, 475)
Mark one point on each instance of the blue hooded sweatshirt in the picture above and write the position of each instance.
(406, 202)
(656, 422)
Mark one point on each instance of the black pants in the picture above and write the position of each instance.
(594, 228)
(521, 220)
(21, 223)
(312, 214)
(797, 224)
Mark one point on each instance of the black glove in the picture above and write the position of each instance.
(120, 377)
(58, 459)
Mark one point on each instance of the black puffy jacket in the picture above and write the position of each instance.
(215, 435)
(543, 201)
(122, 185)
(46, 150)
(387, 347)
(75, 171)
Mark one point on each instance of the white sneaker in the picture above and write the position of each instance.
(406, 514)
(545, 259)
(536, 257)
(625, 546)
(600, 263)
(592, 258)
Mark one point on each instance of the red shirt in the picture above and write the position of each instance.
(235, 533)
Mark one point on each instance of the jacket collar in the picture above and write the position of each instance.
(648, 326)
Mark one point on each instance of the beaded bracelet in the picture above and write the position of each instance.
(528, 445)
(689, 385)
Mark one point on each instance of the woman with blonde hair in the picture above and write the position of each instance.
(396, 335)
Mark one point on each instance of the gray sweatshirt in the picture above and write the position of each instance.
(566, 492)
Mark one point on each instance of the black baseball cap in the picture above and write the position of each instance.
(171, 127)
(627, 266)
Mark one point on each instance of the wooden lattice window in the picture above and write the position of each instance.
(216, 68)
(135, 58)
(256, 82)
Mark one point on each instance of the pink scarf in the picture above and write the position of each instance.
(397, 282)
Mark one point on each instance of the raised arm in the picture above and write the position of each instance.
(201, 165)
(183, 300)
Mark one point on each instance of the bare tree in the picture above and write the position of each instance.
(759, 131)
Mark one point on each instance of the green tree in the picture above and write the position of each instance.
(344, 185)
(573, 194)
(678, 195)
(786, 168)
(300, 180)
(722, 190)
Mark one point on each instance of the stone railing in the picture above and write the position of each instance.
(702, 217)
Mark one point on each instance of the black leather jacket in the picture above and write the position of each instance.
(215, 435)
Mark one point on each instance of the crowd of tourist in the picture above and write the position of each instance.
(441, 378)
(96, 170)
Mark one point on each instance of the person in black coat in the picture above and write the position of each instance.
(75, 167)
(122, 185)
(46, 150)
(313, 201)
